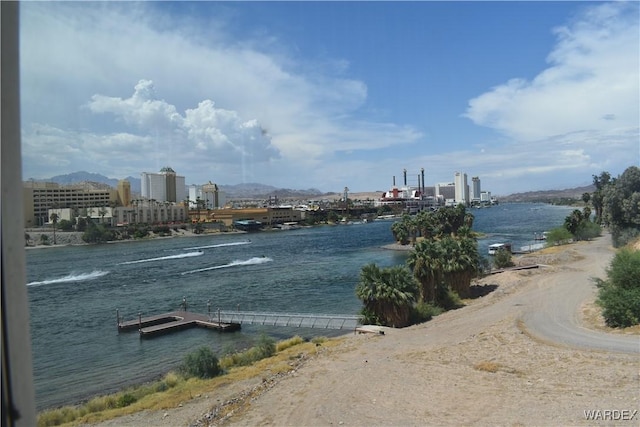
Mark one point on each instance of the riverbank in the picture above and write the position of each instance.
(479, 365)
(74, 238)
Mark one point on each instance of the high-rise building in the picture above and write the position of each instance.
(209, 193)
(212, 195)
(165, 186)
(475, 189)
(462, 188)
(124, 192)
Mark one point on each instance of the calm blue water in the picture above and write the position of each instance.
(74, 292)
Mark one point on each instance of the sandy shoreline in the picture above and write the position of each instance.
(479, 365)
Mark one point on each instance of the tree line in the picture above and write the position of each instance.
(437, 274)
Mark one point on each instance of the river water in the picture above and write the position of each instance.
(74, 292)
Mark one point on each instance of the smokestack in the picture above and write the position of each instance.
(422, 170)
(405, 177)
(394, 180)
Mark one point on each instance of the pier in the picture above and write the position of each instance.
(173, 321)
(229, 321)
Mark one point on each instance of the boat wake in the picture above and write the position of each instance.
(219, 245)
(162, 258)
(72, 278)
(251, 261)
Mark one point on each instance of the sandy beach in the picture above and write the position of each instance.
(488, 363)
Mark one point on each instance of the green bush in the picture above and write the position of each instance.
(125, 400)
(370, 317)
(448, 299)
(502, 259)
(558, 236)
(619, 295)
(587, 230)
(423, 312)
(201, 363)
(620, 236)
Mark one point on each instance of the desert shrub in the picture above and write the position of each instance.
(620, 236)
(369, 317)
(448, 299)
(100, 403)
(56, 417)
(587, 230)
(201, 363)
(141, 233)
(423, 312)
(266, 347)
(291, 342)
(558, 236)
(125, 399)
(171, 379)
(44, 239)
(502, 259)
(619, 294)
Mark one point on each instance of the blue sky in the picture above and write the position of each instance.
(525, 95)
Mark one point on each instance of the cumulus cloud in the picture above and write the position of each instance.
(591, 83)
(219, 134)
(225, 109)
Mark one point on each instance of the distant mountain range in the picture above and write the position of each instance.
(238, 191)
(548, 196)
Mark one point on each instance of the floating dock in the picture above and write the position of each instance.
(173, 321)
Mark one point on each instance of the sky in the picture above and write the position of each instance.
(525, 95)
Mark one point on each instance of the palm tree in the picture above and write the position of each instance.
(388, 294)
(54, 219)
(426, 261)
(102, 211)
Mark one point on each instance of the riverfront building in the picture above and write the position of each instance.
(40, 197)
(165, 186)
(209, 193)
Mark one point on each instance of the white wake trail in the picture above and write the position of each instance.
(162, 258)
(251, 261)
(71, 278)
(219, 245)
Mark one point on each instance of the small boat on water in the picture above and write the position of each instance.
(495, 247)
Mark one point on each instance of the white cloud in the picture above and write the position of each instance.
(590, 85)
(219, 109)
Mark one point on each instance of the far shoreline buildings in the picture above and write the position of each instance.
(166, 199)
(420, 197)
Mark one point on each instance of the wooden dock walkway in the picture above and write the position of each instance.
(173, 321)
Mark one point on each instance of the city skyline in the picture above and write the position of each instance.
(529, 96)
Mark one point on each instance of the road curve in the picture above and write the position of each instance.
(551, 309)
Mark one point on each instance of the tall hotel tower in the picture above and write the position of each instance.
(165, 186)
(462, 188)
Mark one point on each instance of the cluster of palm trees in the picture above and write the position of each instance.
(438, 272)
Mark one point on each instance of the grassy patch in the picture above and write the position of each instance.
(173, 388)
